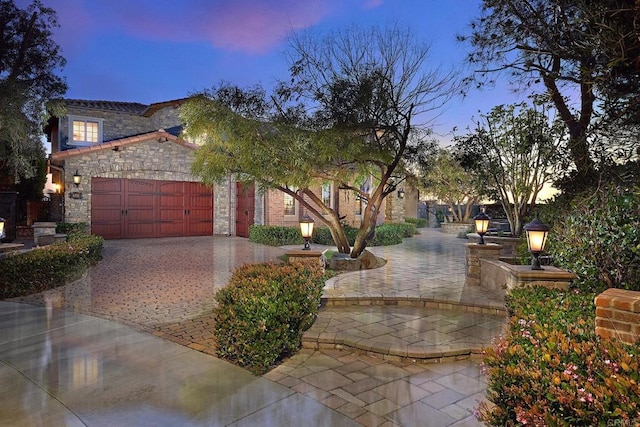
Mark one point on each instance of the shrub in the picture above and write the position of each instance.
(599, 238)
(392, 234)
(50, 266)
(419, 222)
(263, 312)
(275, 235)
(69, 228)
(551, 369)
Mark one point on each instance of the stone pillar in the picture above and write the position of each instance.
(474, 253)
(43, 233)
(618, 315)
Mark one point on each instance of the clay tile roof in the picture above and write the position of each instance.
(122, 107)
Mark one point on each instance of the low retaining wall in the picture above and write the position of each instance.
(455, 227)
(502, 277)
(618, 315)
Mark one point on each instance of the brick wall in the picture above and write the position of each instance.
(618, 315)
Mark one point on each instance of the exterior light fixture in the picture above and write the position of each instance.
(306, 228)
(537, 233)
(401, 194)
(77, 178)
(482, 225)
(2, 232)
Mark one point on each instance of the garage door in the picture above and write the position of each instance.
(138, 208)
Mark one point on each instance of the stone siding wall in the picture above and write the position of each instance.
(618, 315)
(118, 125)
(147, 160)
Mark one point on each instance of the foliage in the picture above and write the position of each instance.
(392, 233)
(581, 51)
(419, 222)
(346, 116)
(50, 266)
(264, 310)
(518, 151)
(450, 183)
(28, 60)
(275, 235)
(551, 369)
(70, 228)
(598, 237)
(322, 235)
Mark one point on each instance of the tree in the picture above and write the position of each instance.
(449, 182)
(28, 61)
(518, 149)
(579, 50)
(347, 116)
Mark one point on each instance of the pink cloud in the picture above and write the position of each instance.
(251, 26)
(371, 4)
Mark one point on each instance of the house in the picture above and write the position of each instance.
(123, 168)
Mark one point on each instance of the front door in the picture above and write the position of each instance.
(245, 208)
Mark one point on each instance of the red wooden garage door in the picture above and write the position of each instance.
(137, 208)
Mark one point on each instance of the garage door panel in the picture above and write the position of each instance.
(112, 185)
(108, 201)
(140, 230)
(172, 228)
(140, 201)
(141, 186)
(172, 201)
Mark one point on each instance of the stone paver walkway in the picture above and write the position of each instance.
(416, 306)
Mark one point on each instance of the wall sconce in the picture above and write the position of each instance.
(537, 233)
(482, 225)
(77, 178)
(3, 234)
(306, 228)
(401, 194)
(56, 188)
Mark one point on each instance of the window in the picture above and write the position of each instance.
(84, 131)
(327, 195)
(289, 205)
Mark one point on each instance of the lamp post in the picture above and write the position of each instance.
(401, 194)
(482, 225)
(306, 228)
(2, 232)
(537, 233)
(77, 178)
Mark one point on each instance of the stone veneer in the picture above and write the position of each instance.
(145, 160)
(618, 315)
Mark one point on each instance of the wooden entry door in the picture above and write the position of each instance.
(245, 208)
(138, 208)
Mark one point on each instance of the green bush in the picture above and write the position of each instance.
(419, 222)
(599, 238)
(264, 310)
(275, 235)
(69, 228)
(551, 369)
(322, 235)
(392, 234)
(50, 266)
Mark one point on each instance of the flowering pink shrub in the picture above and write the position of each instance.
(551, 369)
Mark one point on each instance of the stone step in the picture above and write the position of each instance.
(404, 332)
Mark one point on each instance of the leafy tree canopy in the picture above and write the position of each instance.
(347, 115)
(28, 60)
(517, 149)
(583, 53)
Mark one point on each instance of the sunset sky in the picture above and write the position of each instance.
(156, 50)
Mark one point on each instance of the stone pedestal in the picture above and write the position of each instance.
(296, 255)
(502, 277)
(43, 233)
(474, 253)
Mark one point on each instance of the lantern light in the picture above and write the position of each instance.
(482, 225)
(306, 229)
(537, 233)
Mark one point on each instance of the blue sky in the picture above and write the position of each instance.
(156, 50)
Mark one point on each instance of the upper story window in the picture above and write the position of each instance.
(84, 130)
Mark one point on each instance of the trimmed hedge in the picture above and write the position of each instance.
(275, 235)
(551, 369)
(419, 222)
(392, 234)
(263, 312)
(50, 266)
(69, 228)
